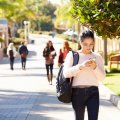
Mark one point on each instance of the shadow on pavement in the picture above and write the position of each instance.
(47, 107)
(6, 60)
(32, 53)
(30, 105)
(23, 75)
(104, 102)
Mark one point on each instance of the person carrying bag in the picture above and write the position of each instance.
(86, 75)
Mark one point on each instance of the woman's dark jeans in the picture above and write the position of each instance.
(23, 61)
(49, 68)
(86, 97)
(11, 63)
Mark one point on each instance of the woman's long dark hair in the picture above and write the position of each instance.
(87, 34)
(51, 48)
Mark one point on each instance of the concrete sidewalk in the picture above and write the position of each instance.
(30, 97)
(26, 94)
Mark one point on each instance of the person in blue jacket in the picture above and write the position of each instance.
(23, 51)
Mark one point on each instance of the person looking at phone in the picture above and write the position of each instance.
(86, 75)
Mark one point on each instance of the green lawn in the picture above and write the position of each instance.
(112, 81)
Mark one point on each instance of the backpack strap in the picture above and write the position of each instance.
(59, 72)
(75, 58)
(75, 61)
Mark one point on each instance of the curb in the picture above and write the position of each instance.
(115, 99)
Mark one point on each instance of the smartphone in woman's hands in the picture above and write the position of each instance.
(91, 63)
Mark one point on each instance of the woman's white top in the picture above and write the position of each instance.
(84, 76)
(14, 51)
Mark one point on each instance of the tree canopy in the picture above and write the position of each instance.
(103, 16)
(63, 15)
(40, 7)
(44, 12)
(15, 11)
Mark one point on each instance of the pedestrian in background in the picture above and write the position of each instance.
(87, 73)
(23, 51)
(63, 52)
(49, 55)
(11, 52)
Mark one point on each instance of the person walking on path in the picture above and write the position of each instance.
(63, 52)
(49, 55)
(11, 52)
(23, 51)
(86, 73)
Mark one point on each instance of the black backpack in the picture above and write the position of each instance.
(64, 85)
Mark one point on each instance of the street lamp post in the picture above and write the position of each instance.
(25, 22)
(26, 30)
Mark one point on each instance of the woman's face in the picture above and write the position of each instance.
(87, 45)
(50, 44)
(65, 44)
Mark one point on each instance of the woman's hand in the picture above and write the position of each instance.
(91, 63)
(59, 64)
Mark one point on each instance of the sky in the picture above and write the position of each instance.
(55, 1)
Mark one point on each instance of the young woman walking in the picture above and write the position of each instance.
(87, 73)
(63, 52)
(49, 54)
(11, 52)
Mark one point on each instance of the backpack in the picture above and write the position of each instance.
(64, 85)
(24, 54)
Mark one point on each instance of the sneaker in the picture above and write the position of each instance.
(12, 68)
(51, 83)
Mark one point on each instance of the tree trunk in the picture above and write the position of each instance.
(105, 51)
(78, 27)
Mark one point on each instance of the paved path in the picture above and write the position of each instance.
(26, 94)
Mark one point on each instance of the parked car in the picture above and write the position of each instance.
(71, 35)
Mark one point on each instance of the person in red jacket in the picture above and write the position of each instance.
(63, 52)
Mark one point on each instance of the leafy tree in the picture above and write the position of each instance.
(48, 9)
(63, 14)
(15, 10)
(99, 15)
(41, 9)
(102, 16)
(46, 23)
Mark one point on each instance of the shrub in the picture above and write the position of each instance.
(46, 23)
(17, 41)
(1, 40)
(115, 70)
(20, 33)
(5, 52)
